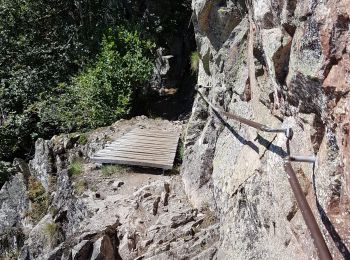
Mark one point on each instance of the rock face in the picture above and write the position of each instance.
(61, 206)
(283, 64)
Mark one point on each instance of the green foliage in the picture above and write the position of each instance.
(75, 168)
(83, 139)
(195, 59)
(6, 170)
(103, 92)
(109, 170)
(63, 70)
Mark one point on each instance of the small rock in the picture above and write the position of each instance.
(135, 205)
(146, 243)
(98, 166)
(167, 247)
(147, 194)
(117, 184)
(155, 206)
(165, 198)
(82, 250)
(166, 187)
(99, 196)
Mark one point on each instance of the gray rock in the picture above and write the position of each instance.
(82, 250)
(117, 184)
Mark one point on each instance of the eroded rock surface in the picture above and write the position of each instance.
(283, 64)
(61, 206)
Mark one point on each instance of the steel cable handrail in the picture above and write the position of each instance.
(309, 218)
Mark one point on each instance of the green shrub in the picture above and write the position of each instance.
(195, 58)
(83, 139)
(6, 170)
(75, 168)
(103, 92)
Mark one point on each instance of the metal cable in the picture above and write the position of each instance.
(311, 223)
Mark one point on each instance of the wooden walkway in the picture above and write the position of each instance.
(141, 147)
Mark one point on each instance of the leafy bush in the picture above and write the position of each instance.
(75, 168)
(103, 92)
(59, 73)
(6, 170)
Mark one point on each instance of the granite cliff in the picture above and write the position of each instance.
(280, 63)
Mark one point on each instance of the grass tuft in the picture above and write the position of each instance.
(75, 168)
(81, 186)
(50, 230)
(195, 58)
(83, 139)
(109, 170)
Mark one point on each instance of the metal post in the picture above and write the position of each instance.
(320, 244)
(299, 158)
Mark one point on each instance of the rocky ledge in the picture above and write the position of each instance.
(61, 206)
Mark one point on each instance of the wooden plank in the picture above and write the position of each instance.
(134, 155)
(152, 135)
(150, 139)
(144, 164)
(142, 147)
(147, 138)
(120, 142)
(139, 142)
(139, 149)
(133, 160)
(141, 131)
(146, 152)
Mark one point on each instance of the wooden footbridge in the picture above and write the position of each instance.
(141, 147)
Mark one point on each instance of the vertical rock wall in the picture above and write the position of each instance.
(280, 63)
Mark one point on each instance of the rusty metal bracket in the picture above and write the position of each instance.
(287, 131)
(300, 158)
